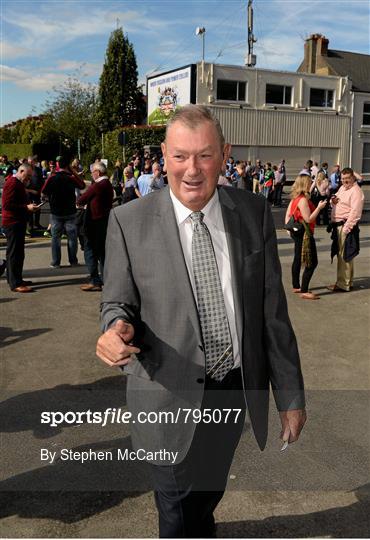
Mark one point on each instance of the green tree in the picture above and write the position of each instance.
(120, 99)
(71, 112)
(5, 135)
(136, 139)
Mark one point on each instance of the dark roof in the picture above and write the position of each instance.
(356, 66)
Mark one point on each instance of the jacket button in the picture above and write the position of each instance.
(200, 380)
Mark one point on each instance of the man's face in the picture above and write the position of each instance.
(95, 173)
(193, 160)
(25, 176)
(128, 173)
(348, 180)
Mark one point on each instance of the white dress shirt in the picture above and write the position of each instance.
(213, 219)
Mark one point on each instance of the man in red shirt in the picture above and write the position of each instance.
(98, 198)
(14, 216)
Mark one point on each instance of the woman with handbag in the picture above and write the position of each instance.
(300, 220)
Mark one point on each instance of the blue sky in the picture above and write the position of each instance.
(45, 42)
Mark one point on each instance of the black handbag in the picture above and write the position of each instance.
(293, 225)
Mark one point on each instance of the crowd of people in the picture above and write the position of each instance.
(265, 179)
(75, 215)
(83, 217)
(346, 201)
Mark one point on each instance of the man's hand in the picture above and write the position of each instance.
(32, 207)
(114, 347)
(322, 204)
(334, 199)
(292, 423)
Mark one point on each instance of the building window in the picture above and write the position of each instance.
(366, 115)
(321, 98)
(366, 158)
(278, 95)
(231, 90)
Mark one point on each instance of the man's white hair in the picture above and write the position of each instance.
(99, 166)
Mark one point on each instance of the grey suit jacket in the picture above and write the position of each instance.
(146, 283)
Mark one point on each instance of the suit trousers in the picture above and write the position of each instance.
(186, 494)
(14, 253)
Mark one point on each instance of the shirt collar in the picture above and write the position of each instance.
(101, 178)
(211, 211)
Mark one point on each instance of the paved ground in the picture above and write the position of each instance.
(319, 487)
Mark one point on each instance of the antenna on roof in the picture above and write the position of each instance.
(251, 59)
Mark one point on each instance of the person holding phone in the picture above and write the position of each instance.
(303, 211)
(15, 211)
(347, 206)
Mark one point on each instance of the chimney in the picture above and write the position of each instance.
(322, 46)
(315, 47)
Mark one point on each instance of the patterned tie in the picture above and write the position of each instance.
(211, 305)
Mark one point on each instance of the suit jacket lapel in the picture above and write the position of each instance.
(177, 269)
(232, 226)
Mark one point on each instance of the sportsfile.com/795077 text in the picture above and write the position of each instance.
(119, 416)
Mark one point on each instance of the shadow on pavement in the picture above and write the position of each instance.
(124, 476)
(23, 411)
(67, 507)
(8, 336)
(351, 521)
(4, 300)
(63, 271)
(59, 283)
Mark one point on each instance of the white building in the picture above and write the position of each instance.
(270, 115)
(321, 60)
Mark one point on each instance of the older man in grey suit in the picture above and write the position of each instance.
(195, 313)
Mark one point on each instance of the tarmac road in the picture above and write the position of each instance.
(318, 487)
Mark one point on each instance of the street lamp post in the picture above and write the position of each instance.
(201, 31)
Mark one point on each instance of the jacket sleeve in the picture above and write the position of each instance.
(77, 180)
(280, 342)
(89, 194)
(120, 298)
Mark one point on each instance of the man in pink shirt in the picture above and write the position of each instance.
(347, 206)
